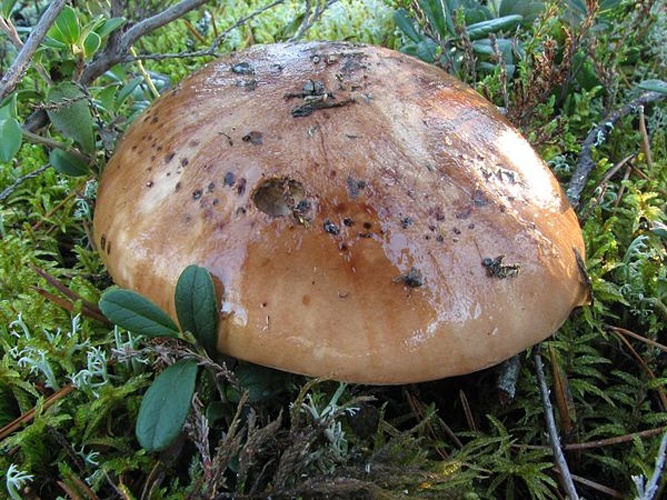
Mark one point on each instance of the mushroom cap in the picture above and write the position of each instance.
(365, 216)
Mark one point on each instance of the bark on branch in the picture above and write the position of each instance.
(13, 77)
(118, 48)
(597, 136)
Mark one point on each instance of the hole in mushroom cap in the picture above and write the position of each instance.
(281, 197)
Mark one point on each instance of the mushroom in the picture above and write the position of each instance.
(365, 216)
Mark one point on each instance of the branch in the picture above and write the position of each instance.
(117, 49)
(13, 77)
(554, 440)
(311, 16)
(9, 190)
(212, 50)
(649, 490)
(597, 136)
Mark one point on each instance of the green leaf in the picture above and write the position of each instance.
(68, 164)
(8, 109)
(262, 383)
(137, 314)
(54, 43)
(91, 44)
(439, 15)
(529, 10)
(166, 405)
(127, 90)
(405, 24)
(66, 28)
(197, 307)
(11, 134)
(6, 7)
(654, 86)
(481, 30)
(70, 114)
(109, 26)
(106, 96)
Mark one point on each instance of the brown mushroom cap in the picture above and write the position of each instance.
(365, 216)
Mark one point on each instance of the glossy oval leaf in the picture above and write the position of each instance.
(405, 24)
(136, 313)
(11, 134)
(506, 23)
(197, 306)
(68, 164)
(70, 113)
(91, 43)
(7, 7)
(127, 90)
(66, 28)
(166, 405)
(654, 86)
(109, 26)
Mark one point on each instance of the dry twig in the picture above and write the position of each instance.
(566, 478)
(596, 137)
(15, 73)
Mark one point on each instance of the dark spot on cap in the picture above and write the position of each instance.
(330, 227)
(354, 186)
(193, 143)
(253, 137)
(229, 179)
(184, 162)
(196, 194)
(465, 212)
(413, 278)
(479, 198)
(149, 184)
(103, 241)
(406, 222)
(240, 186)
(367, 225)
(242, 68)
(154, 119)
(211, 187)
(169, 157)
(177, 188)
(471, 225)
(348, 222)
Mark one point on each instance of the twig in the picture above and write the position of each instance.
(647, 369)
(212, 50)
(597, 487)
(634, 335)
(601, 443)
(554, 440)
(646, 145)
(648, 491)
(30, 414)
(311, 16)
(117, 49)
(10, 30)
(12, 78)
(9, 190)
(597, 136)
